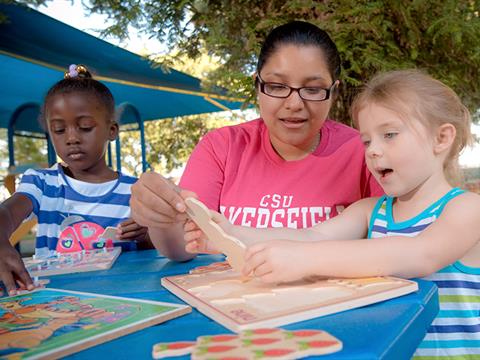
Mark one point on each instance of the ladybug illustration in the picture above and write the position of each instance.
(77, 234)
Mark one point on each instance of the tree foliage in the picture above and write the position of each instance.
(27, 150)
(439, 36)
(169, 142)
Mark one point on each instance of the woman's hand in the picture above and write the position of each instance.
(12, 270)
(156, 202)
(196, 240)
(276, 261)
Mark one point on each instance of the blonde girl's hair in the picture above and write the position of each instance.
(414, 95)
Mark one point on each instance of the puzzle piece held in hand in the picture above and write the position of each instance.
(108, 236)
(232, 247)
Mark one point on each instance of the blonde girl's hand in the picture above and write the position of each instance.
(197, 241)
(277, 261)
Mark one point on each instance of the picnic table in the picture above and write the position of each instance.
(388, 330)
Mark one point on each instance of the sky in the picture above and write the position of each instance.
(73, 14)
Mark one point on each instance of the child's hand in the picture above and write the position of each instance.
(277, 261)
(196, 240)
(12, 270)
(130, 230)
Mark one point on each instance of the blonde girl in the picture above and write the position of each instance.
(413, 128)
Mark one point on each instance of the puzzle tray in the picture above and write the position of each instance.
(239, 305)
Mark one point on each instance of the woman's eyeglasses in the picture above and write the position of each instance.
(282, 91)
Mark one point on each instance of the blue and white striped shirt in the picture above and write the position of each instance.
(455, 332)
(56, 197)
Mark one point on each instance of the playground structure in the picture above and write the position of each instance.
(32, 60)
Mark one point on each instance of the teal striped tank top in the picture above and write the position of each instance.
(455, 332)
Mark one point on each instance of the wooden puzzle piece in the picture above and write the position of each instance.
(266, 343)
(218, 266)
(314, 342)
(263, 343)
(108, 236)
(168, 349)
(232, 247)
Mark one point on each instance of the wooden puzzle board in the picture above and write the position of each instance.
(67, 263)
(52, 323)
(239, 305)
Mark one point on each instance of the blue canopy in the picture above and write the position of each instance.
(36, 49)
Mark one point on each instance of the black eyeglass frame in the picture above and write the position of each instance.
(292, 89)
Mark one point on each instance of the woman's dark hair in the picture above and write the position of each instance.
(301, 33)
(79, 79)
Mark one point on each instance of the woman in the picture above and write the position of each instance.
(291, 167)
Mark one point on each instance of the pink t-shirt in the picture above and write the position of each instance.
(236, 171)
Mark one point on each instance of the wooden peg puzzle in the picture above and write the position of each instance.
(77, 234)
(72, 262)
(52, 323)
(238, 305)
(263, 343)
(232, 247)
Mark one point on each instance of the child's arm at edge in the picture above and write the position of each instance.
(12, 212)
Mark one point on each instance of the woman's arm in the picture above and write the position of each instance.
(156, 203)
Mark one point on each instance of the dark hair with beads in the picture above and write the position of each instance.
(79, 80)
(301, 33)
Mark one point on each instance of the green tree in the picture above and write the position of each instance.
(27, 151)
(169, 142)
(440, 36)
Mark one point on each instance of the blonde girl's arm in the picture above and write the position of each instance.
(352, 223)
(445, 241)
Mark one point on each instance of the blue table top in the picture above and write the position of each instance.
(388, 330)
